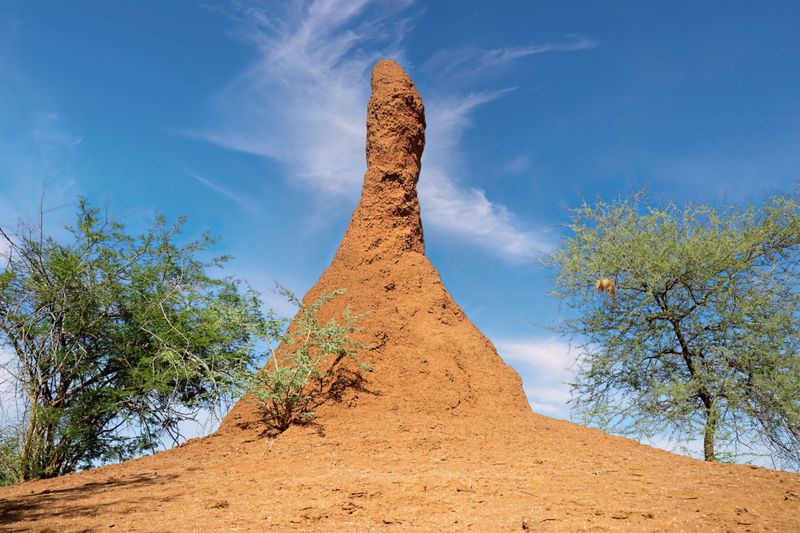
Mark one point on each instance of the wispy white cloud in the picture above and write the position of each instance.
(549, 400)
(546, 365)
(224, 191)
(49, 135)
(466, 211)
(518, 164)
(558, 395)
(303, 101)
(549, 355)
(468, 64)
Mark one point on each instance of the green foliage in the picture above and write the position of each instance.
(117, 338)
(292, 381)
(10, 457)
(702, 334)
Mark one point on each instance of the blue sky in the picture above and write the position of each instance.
(248, 117)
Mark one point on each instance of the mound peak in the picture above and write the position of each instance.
(429, 359)
(387, 222)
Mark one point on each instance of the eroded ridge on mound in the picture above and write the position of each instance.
(429, 360)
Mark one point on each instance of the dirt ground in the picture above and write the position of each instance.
(509, 474)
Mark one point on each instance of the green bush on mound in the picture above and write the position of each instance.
(292, 382)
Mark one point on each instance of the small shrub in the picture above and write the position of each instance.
(286, 390)
(10, 457)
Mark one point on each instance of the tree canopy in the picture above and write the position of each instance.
(116, 338)
(688, 319)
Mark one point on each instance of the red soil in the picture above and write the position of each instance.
(439, 436)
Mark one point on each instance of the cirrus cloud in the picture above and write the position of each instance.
(302, 102)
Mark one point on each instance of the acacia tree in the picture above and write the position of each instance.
(115, 339)
(700, 332)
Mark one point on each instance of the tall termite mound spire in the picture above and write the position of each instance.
(387, 220)
(428, 359)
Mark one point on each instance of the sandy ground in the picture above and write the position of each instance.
(521, 473)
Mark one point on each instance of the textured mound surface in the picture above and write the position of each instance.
(438, 437)
(428, 357)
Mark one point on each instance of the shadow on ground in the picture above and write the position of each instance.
(20, 513)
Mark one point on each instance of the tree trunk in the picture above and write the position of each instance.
(32, 448)
(710, 433)
(39, 454)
